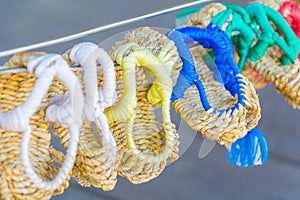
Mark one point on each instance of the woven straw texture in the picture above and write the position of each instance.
(153, 144)
(225, 128)
(253, 76)
(276, 4)
(202, 19)
(15, 87)
(286, 79)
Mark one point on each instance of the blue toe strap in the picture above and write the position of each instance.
(211, 37)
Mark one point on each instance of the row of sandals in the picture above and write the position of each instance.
(102, 105)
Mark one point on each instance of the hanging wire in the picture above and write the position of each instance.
(98, 29)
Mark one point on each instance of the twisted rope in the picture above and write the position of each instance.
(145, 145)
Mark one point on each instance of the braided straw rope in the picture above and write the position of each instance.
(286, 79)
(15, 88)
(203, 18)
(143, 147)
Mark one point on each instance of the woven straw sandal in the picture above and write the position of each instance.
(222, 114)
(144, 145)
(27, 166)
(274, 57)
(96, 162)
(285, 77)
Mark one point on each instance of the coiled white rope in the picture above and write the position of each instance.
(88, 55)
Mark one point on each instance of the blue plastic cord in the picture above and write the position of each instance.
(250, 150)
(211, 37)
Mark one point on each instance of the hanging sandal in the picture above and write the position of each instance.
(222, 114)
(284, 76)
(27, 166)
(96, 162)
(143, 148)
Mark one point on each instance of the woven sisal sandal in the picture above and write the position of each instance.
(27, 165)
(96, 162)
(281, 60)
(222, 114)
(285, 77)
(144, 145)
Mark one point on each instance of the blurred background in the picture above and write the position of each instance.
(211, 178)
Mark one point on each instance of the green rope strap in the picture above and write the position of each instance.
(261, 16)
(255, 20)
(239, 23)
(241, 11)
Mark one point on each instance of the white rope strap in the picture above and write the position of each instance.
(89, 55)
(60, 111)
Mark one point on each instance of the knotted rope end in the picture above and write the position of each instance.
(251, 150)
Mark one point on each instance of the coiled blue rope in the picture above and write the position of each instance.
(211, 37)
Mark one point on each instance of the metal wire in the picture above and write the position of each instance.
(16, 69)
(98, 29)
